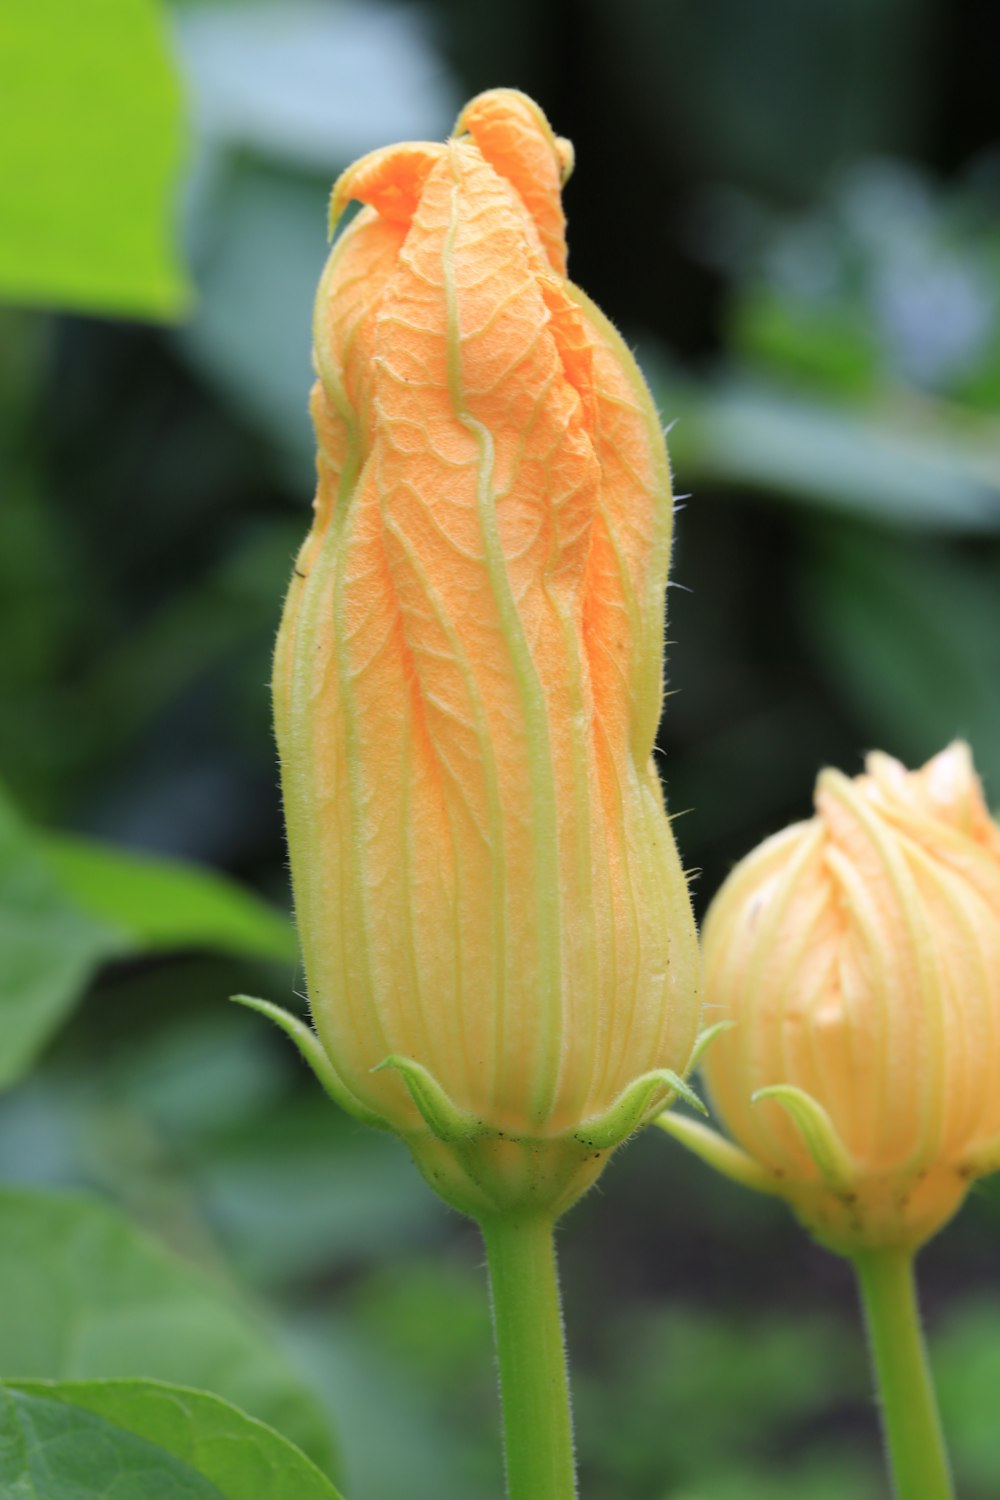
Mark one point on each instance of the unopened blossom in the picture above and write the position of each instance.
(468, 678)
(858, 954)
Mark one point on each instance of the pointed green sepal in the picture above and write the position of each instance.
(732, 1161)
(819, 1133)
(633, 1106)
(681, 1089)
(312, 1051)
(441, 1115)
(705, 1039)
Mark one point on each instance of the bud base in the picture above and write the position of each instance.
(494, 1174)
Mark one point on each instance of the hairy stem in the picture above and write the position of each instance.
(534, 1383)
(914, 1441)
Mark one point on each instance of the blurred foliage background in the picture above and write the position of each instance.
(792, 212)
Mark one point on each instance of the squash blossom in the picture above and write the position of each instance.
(497, 936)
(859, 956)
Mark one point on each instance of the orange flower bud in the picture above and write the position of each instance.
(859, 956)
(496, 929)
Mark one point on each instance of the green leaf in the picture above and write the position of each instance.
(439, 1439)
(84, 1295)
(50, 948)
(350, 77)
(914, 469)
(65, 1437)
(265, 244)
(90, 145)
(912, 634)
(50, 1451)
(165, 903)
(967, 1367)
(825, 345)
(69, 904)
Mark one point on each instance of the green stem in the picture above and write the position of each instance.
(910, 1422)
(534, 1384)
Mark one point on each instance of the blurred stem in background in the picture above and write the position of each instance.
(914, 1440)
(531, 1351)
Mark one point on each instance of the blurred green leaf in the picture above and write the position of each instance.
(285, 96)
(726, 1412)
(50, 947)
(433, 1316)
(314, 84)
(913, 634)
(901, 468)
(440, 1446)
(301, 1190)
(831, 1476)
(90, 145)
(69, 904)
(83, 1295)
(265, 245)
(831, 348)
(209, 1126)
(966, 1353)
(58, 1437)
(890, 281)
(164, 903)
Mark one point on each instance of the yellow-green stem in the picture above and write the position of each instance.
(914, 1440)
(534, 1384)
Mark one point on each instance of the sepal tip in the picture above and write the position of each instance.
(819, 1134)
(311, 1049)
(635, 1106)
(440, 1113)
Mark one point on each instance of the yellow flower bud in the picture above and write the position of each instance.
(498, 942)
(859, 956)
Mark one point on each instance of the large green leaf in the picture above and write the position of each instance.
(63, 1438)
(90, 145)
(84, 1295)
(69, 904)
(50, 1451)
(49, 949)
(165, 903)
